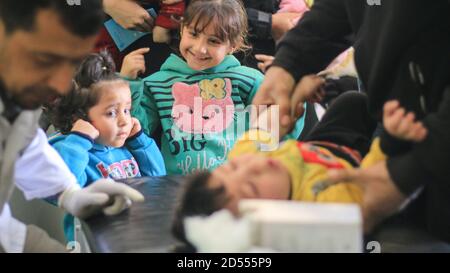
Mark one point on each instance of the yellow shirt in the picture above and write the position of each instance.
(309, 3)
(308, 166)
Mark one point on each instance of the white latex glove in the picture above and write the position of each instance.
(102, 195)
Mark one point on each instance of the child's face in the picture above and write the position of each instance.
(203, 50)
(251, 177)
(111, 115)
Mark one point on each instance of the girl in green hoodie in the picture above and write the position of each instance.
(200, 99)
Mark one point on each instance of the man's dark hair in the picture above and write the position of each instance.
(198, 199)
(82, 20)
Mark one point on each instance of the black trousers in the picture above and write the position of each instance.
(347, 122)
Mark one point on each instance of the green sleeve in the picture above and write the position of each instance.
(259, 79)
(143, 106)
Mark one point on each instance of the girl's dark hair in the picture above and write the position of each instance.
(96, 68)
(198, 198)
(229, 18)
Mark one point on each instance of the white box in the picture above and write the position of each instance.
(291, 226)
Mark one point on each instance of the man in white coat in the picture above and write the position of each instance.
(41, 44)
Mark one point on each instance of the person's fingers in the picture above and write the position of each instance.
(414, 133)
(263, 97)
(139, 28)
(137, 66)
(299, 111)
(318, 96)
(95, 199)
(406, 124)
(140, 64)
(390, 107)
(305, 91)
(262, 67)
(396, 118)
(120, 203)
(417, 133)
(285, 111)
(422, 134)
(111, 187)
(131, 193)
(298, 97)
(146, 26)
(141, 69)
(139, 52)
(147, 22)
(276, 90)
(264, 58)
(308, 88)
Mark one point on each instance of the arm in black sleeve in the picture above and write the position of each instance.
(259, 24)
(318, 38)
(428, 161)
(393, 146)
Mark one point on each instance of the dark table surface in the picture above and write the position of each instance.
(146, 227)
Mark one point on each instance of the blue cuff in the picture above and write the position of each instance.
(139, 140)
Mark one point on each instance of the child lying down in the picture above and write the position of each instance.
(297, 170)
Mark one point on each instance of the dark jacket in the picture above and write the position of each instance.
(401, 52)
(259, 13)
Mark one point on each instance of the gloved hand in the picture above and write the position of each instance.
(103, 194)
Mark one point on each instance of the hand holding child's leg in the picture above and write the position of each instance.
(402, 125)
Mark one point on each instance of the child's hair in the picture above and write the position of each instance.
(229, 16)
(96, 69)
(197, 199)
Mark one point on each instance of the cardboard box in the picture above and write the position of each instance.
(290, 226)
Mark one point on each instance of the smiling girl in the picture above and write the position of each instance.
(197, 98)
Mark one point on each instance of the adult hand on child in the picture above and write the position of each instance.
(269, 121)
(102, 195)
(264, 61)
(381, 198)
(136, 127)
(276, 89)
(84, 127)
(134, 63)
(309, 89)
(400, 124)
(129, 14)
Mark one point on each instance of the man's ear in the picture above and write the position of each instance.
(2, 40)
(2, 33)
